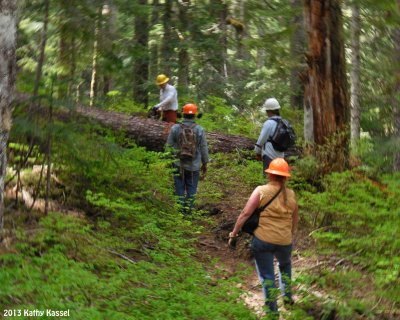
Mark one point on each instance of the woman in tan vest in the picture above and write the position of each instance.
(274, 234)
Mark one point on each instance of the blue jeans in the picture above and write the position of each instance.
(185, 188)
(264, 253)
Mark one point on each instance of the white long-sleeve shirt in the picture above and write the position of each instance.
(168, 98)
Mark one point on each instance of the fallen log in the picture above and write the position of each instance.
(153, 134)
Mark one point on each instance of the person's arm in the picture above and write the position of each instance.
(249, 208)
(295, 220)
(264, 136)
(203, 152)
(172, 143)
(169, 97)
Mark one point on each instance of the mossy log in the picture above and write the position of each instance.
(153, 134)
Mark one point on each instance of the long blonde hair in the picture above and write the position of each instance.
(282, 182)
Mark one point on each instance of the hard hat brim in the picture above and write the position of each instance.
(270, 109)
(278, 173)
(162, 82)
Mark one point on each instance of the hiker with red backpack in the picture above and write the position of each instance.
(276, 135)
(189, 144)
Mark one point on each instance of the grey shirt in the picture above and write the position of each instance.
(201, 156)
(267, 131)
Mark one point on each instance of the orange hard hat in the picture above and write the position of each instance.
(189, 108)
(278, 167)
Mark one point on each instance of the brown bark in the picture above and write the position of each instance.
(167, 46)
(183, 59)
(326, 86)
(297, 48)
(153, 134)
(153, 65)
(396, 95)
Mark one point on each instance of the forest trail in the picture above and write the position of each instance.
(232, 262)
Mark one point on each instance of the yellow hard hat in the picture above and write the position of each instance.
(161, 79)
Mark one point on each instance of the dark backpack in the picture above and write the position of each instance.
(187, 142)
(284, 136)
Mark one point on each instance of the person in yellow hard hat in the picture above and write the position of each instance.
(189, 143)
(168, 99)
(275, 232)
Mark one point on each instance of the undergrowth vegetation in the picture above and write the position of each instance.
(354, 221)
(131, 257)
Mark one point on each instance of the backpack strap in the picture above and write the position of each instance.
(272, 199)
(277, 120)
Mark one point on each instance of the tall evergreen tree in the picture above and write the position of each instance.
(183, 59)
(326, 93)
(167, 49)
(355, 74)
(141, 64)
(396, 92)
(297, 48)
(8, 22)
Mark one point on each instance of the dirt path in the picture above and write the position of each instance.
(231, 262)
(213, 243)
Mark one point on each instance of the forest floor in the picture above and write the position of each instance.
(306, 259)
(214, 251)
(232, 262)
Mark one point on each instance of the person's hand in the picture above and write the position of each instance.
(232, 240)
(258, 157)
(203, 171)
(156, 109)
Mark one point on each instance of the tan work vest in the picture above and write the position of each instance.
(275, 224)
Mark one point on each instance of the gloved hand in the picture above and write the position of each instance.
(232, 240)
(156, 109)
(203, 171)
(258, 157)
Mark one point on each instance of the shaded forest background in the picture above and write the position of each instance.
(223, 54)
(85, 202)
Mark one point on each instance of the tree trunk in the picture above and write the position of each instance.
(261, 53)
(107, 41)
(153, 134)
(64, 50)
(167, 50)
(326, 86)
(43, 40)
(8, 32)
(153, 65)
(297, 49)
(141, 65)
(48, 151)
(72, 70)
(93, 82)
(223, 39)
(183, 64)
(396, 96)
(355, 75)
